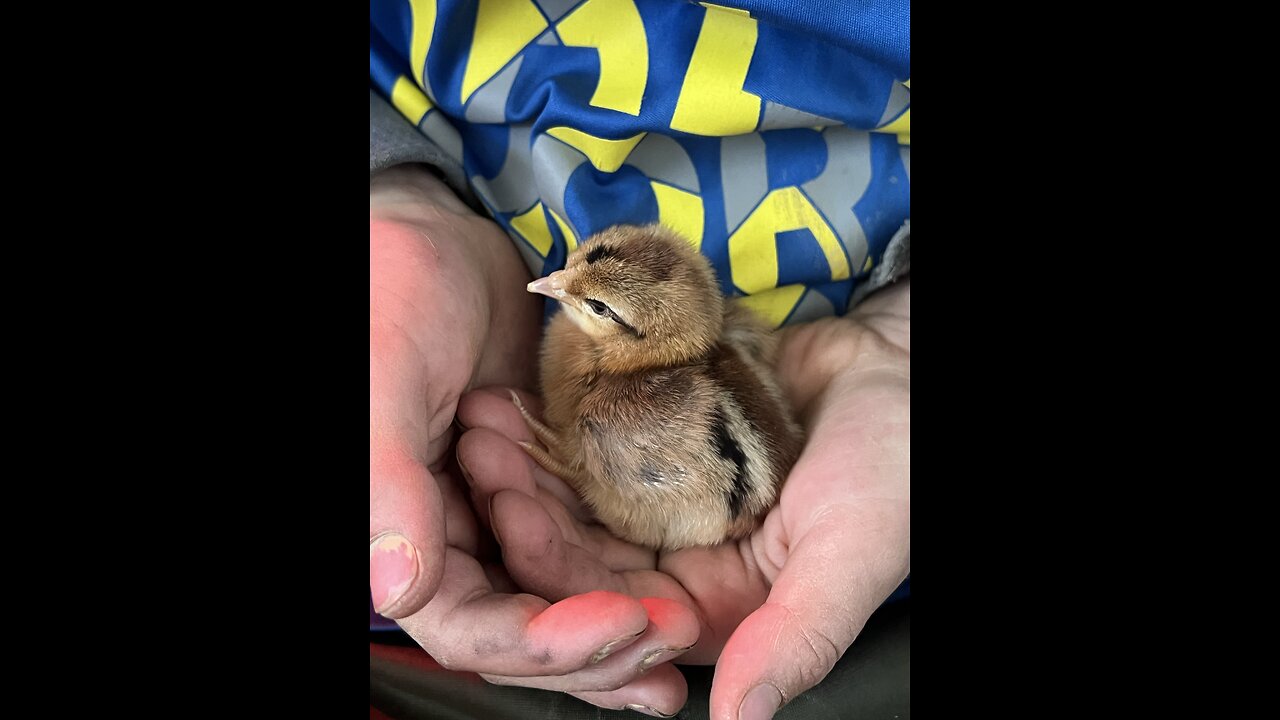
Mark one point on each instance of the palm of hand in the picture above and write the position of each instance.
(425, 287)
(802, 585)
(448, 311)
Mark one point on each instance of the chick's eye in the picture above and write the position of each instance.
(598, 307)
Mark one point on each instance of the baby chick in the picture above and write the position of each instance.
(660, 403)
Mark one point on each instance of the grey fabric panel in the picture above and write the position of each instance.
(846, 175)
(895, 264)
(781, 116)
(812, 306)
(899, 99)
(489, 103)
(393, 141)
(661, 158)
(556, 162)
(743, 176)
(513, 188)
(556, 9)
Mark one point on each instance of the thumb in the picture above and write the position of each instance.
(406, 534)
(811, 617)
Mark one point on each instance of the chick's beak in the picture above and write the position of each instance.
(552, 285)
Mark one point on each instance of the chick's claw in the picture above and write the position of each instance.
(548, 463)
(544, 434)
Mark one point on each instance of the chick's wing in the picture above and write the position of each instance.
(652, 434)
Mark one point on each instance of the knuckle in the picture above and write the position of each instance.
(605, 684)
(823, 655)
(819, 652)
(612, 684)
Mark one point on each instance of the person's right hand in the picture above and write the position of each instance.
(780, 606)
(448, 311)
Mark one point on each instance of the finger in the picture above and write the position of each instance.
(406, 534)
(671, 633)
(555, 553)
(501, 581)
(492, 408)
(540, 560)
(467, 627)
(460, 525)
(537, 556)
(811, 617)
(491, 463)
(660, 693)
(724, 582)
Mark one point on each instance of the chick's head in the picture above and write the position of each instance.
(643, 294)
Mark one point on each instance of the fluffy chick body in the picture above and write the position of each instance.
(662, 412)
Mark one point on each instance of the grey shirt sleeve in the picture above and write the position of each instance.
(894, 265)
(393, 141)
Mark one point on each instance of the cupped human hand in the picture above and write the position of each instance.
(448, 310)
(777, 609)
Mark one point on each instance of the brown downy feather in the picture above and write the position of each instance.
(660, 402)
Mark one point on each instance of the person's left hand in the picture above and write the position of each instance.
(777, 609)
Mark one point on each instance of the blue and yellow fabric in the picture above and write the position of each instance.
(774, 135)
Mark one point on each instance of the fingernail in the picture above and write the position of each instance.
(493, 525)
(761, 703)
(608, 649)
(393, 566)
(661, 655)
(462, 467)
(647, 710)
